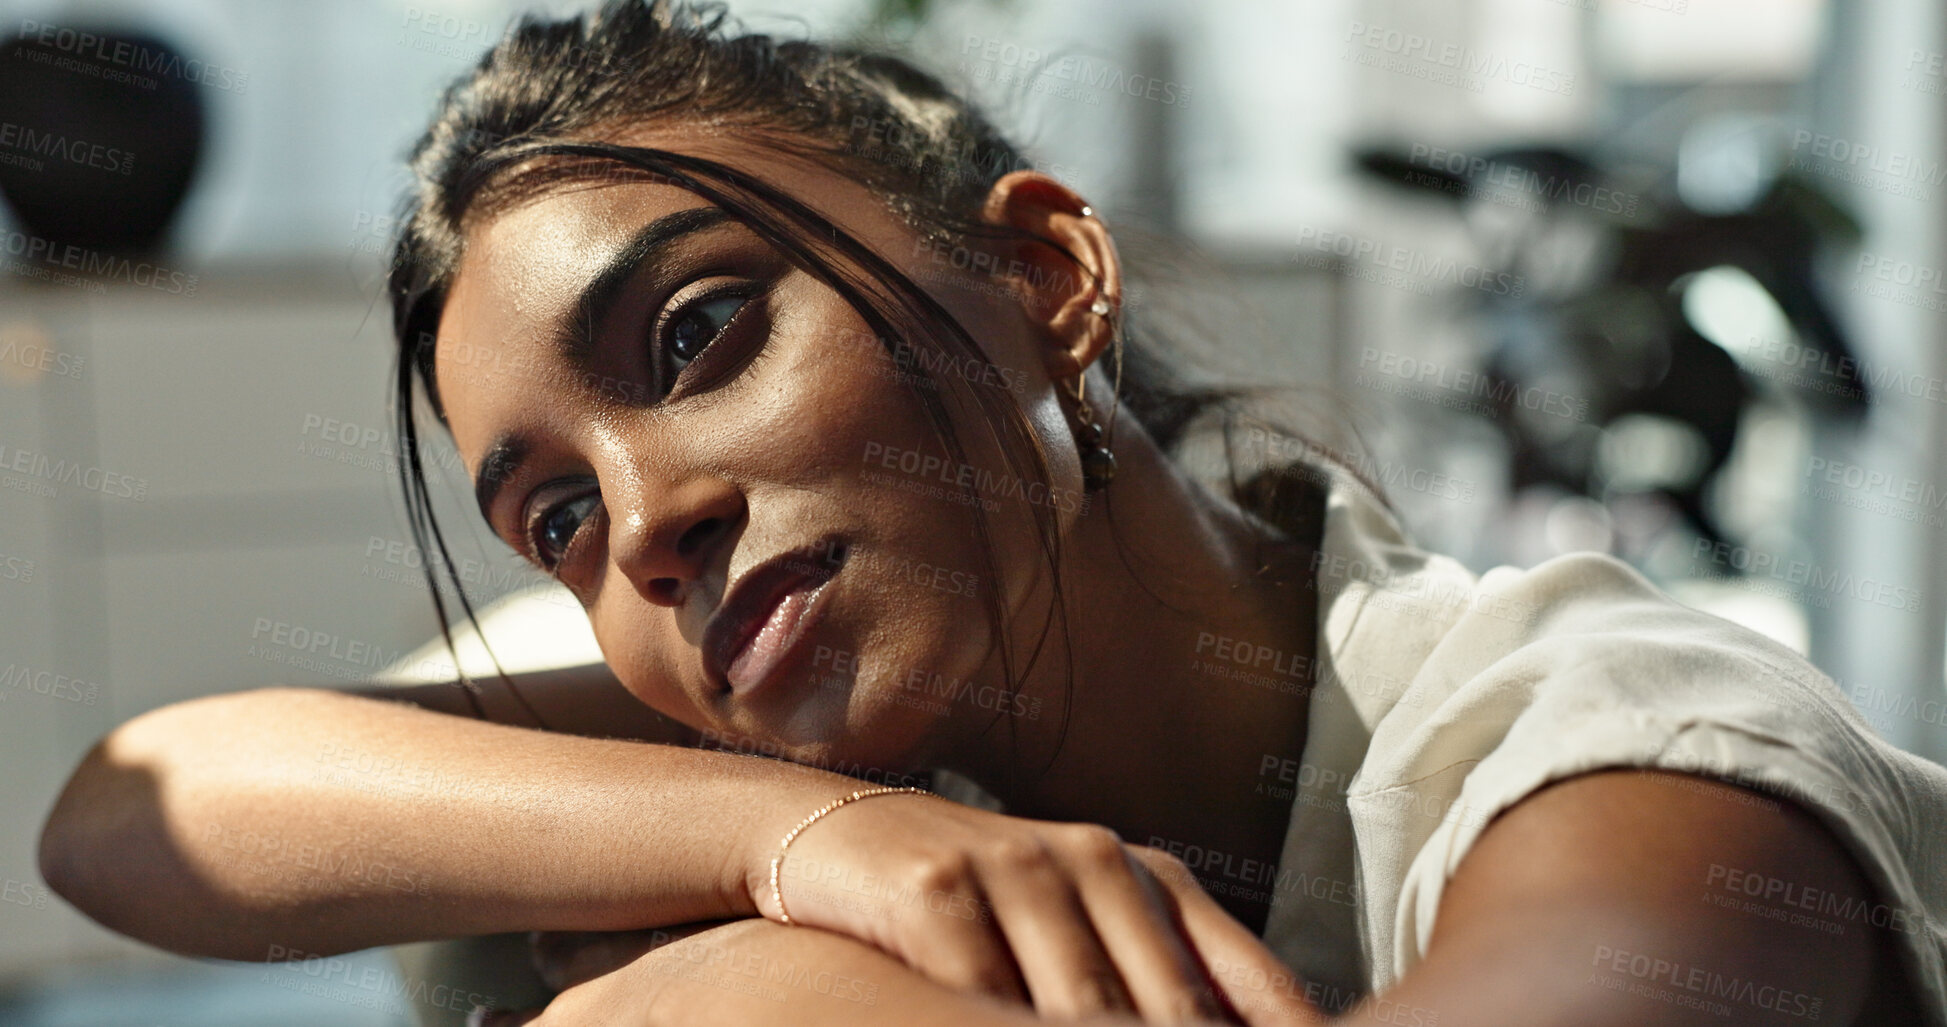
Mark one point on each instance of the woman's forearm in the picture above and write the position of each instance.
(287, 821)
(755, 973)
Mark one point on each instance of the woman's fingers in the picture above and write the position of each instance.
(951, 934)
(1136, 919)
(1068, 972)
(937, 920)
(1250, 979)
(1056, 914)
(971, 958)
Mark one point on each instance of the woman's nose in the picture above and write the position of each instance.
(665, 537)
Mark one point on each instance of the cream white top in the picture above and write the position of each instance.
(1444, 698)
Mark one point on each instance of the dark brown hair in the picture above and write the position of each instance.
(534, 114)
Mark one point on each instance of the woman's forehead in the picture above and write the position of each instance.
(517, 259)
(524, 262)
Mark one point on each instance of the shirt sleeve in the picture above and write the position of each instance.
(1606, 673)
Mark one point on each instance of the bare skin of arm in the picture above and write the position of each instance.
(261, 824)
(1545, 920)
(1628, 855)
(756, 972)
(586, 701)
(326, 822)
(1556, 901)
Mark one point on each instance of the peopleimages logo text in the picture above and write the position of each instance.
(34, 250)
(125, 54)
(53, 145)
(41, 468)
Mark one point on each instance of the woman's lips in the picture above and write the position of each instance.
(787, 623)
(766, 613)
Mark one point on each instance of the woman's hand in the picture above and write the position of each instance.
(744, 973)
(1253, 984)
(1064, 916)
(754, 973)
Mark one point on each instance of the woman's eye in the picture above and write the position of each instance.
(697, 326)
(557, 527)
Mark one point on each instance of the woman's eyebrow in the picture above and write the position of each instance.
(574, 334)
(503, 459)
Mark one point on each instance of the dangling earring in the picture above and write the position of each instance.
(1098, 464)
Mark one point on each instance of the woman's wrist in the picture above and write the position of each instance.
(778, 806)
(784, 844)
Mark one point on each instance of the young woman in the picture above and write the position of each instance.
(832, 416)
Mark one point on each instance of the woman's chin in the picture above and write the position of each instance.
(854, 732)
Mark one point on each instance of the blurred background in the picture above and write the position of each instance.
(1664, 278)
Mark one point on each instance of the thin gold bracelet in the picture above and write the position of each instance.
(777, 862)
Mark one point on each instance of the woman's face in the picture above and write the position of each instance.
(710, 448)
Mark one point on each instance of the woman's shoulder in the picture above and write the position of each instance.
(1445, 698)
(1589, 667)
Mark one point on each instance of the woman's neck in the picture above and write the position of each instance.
(1187, 716)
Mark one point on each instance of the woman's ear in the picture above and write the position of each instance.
(1068, 274)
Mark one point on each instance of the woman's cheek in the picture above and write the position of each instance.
(630, 653)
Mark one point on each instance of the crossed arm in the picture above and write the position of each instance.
(1585, 905)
